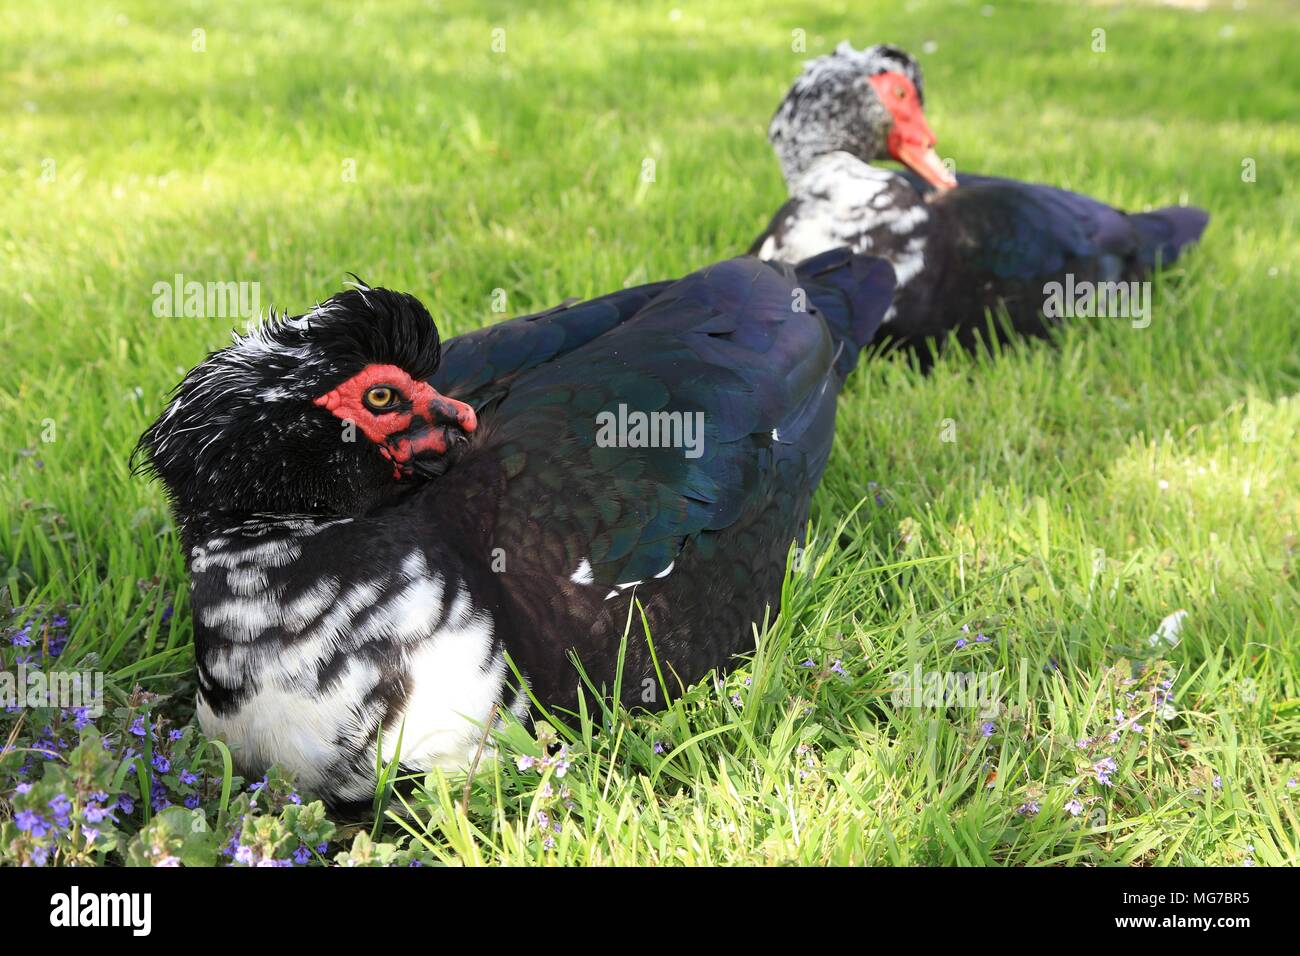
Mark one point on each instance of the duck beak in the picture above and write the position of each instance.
(921, 159)
(439, 425)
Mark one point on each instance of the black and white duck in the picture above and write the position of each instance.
(375, 519)
(960, 246)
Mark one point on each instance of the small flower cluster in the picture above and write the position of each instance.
(72, 815)
(734, 687)
(548, 827)
(35, 644)
(554, 754)
(1142, 703)
(966, 640)
(558, 762)
(809, 765)
(142, 791)
(276, 829)
(825, 671)
(42, 637)
(550, 802)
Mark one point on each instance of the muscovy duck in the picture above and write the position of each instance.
(374, 520)
(956, 251)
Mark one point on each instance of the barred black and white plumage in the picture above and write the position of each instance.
(351, 593)
(962, 246)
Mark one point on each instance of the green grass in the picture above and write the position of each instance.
(1094, 486)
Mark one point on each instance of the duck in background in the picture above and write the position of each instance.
(960, 245)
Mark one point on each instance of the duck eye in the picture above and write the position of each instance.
(900, 92)
(381, 398)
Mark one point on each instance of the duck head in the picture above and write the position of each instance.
(864, 102)
(327, 413)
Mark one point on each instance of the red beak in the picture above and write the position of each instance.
(910, 140)
(436, 423)
(924, 161)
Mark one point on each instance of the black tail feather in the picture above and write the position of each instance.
(1166, 232)
(853, 293)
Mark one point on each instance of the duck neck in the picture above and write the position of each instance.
(797, 154)
(828, 173)
(800, 146)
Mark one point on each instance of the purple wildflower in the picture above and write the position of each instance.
(61, 807)
(29, 821)
(48, 749)
(1103, 768)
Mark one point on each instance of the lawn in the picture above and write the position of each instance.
(1028, 518)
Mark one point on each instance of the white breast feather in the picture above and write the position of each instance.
(454, 676)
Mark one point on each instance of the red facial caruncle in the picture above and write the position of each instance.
(406, 419)
(910, 139)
